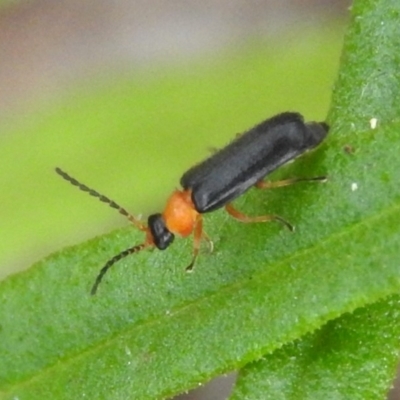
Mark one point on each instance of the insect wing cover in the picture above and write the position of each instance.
(249, 158)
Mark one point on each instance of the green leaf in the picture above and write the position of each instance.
(153, 331)
(368, 85)
(356, 355)
(261, 288)
(349, 358)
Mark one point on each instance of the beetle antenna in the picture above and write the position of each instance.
(101, 197)
(112, 261)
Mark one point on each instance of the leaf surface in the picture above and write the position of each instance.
(153, 331)
(354, 356)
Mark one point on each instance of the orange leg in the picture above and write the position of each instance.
(263, 218)
(197, 235)
(287, 182)
(209, 241)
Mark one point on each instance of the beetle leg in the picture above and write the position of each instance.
(198, 234)
(262, 218)
(209, 241)
(287, 182)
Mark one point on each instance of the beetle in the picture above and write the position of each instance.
(215, 182)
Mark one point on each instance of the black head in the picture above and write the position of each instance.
(161, 235)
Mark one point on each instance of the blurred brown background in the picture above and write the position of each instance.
(44, 45)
